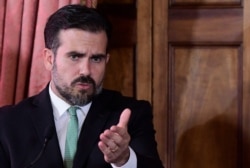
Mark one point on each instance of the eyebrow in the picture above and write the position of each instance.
(84, 54)
(75, 53)
(99, 55)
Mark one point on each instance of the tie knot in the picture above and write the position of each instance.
(72, 110)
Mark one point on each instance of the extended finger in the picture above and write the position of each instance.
(124, 118)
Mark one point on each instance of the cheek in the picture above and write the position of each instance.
(67, 73)
(98, 73)
(65, 67)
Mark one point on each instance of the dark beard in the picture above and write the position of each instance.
(82, 97)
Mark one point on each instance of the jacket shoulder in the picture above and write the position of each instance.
(118, 100)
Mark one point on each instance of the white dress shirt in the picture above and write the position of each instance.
(61, 118)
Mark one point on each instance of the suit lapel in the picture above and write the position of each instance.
(92, 128)
(42, 118)
(94, 124)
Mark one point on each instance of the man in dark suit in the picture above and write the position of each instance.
(105, 128)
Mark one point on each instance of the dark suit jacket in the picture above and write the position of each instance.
(23, 127)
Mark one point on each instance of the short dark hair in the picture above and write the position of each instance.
(74, 16)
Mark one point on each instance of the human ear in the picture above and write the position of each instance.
(107, 58)
(48, 58)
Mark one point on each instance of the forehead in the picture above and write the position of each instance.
(77, 37)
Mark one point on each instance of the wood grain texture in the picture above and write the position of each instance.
(120, 73)
(144, 50)
(246, 86)
(205, 2)
(206, 106)
(205, 25)
(116, 1)
(160, 77)
(123, 19)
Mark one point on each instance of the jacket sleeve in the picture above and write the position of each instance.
(142, 133)
(4, 160)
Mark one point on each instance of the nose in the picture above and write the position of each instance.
(84, 68)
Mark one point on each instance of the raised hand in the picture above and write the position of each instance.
(114, 141)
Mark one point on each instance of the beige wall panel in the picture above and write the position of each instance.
(205, 106)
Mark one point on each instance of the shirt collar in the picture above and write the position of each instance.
(60, 106)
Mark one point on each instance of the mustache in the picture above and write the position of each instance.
(83, 79)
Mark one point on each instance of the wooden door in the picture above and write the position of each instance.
(191, 60)
(205, 64)
(120, 73)
(201, 83)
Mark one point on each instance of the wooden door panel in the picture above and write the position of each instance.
(206, 2)
(115, 1)
(205, 105)
(246, 86)
(205, 63)
(120, 73)
(203, 25)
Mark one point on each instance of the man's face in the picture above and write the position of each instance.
(78, 67)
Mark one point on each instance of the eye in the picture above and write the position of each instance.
(98, 58)
(74, 57)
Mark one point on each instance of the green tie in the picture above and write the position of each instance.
(71, 138)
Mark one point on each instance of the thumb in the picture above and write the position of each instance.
(124, 118)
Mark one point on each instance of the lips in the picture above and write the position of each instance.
(83, 86)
